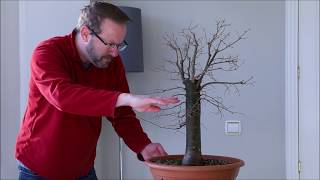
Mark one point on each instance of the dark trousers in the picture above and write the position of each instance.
(27, 174)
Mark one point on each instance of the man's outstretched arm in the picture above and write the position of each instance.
(143, 103)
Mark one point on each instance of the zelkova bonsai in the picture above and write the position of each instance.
(196, 60)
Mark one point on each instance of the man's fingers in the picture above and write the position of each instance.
(164, 101)
(153, 150)
(161, 150)
(151, 104)
(153, 108)
(171, 100)
(149, 108)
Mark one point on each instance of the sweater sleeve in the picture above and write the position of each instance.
(125, 122)
(54, 83)
(129, 129)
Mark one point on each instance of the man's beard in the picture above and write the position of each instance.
(99, 62)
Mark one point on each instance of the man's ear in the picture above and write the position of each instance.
(85, 33)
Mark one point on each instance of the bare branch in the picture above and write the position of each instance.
(174, 106)
(172, 127)
(228, 45)
(166, 90)
(195, 52)
(226, 82)
(218, 48)
(172, 43)
(216, 102)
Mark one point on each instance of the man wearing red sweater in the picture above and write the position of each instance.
(75, 80)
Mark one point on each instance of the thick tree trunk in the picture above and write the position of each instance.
(193, 139)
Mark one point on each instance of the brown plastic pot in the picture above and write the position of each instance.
(174, 172)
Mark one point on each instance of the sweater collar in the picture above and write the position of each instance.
(75, 53)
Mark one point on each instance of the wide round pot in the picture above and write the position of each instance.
(174, 172)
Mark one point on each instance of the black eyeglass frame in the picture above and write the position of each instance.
(120, 47)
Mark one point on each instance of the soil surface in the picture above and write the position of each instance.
(205, 162)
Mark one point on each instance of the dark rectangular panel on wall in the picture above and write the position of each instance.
(132, 56)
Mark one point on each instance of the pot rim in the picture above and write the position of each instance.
(235, 162)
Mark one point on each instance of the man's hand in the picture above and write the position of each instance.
(143, 103)
(153, 150)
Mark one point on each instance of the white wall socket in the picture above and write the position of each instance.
(233, 127)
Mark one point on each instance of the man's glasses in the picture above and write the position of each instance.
(122, 46)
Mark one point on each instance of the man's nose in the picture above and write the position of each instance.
(114, 52)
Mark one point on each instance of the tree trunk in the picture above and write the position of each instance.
(193, 139)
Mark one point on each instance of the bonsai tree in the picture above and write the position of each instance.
(196, 62)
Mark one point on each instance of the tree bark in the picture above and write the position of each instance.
(193, 138)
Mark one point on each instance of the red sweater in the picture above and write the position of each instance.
(62, 122)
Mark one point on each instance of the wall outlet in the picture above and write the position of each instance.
(233, 128)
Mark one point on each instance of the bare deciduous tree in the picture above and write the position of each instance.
(196, 60)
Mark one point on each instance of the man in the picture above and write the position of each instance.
(75, 80)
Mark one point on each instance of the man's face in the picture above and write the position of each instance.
(99, 54)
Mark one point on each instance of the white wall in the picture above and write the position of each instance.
(9, 86)
(261, 144)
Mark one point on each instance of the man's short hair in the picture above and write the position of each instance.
(92, 15)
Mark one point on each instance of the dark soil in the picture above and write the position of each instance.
(205, 162)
